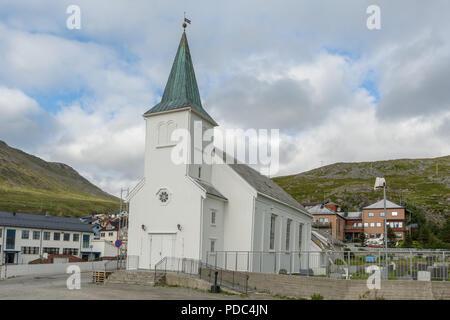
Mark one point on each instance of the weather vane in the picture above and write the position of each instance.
(186, 20)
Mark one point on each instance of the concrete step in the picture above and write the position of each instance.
(135, 277)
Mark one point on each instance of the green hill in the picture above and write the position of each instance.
(30, 184)
(423, 183)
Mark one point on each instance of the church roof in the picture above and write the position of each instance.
(181, 89)
(266, 186)
(209, 189)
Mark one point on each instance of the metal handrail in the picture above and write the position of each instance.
(160, 263)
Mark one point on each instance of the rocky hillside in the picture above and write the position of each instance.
(424, 183)
(30, 184)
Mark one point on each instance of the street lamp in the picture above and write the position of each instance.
(380, 183)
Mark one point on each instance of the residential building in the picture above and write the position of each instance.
(327, 218)
(109, 232)
(25, 237)
(353, 225)
(347, 226)
(373, 219)
(193, 209)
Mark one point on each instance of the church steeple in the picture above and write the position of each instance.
(181, 90)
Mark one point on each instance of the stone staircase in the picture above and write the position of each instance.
(146, 278)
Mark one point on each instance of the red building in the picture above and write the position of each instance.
(348, 225)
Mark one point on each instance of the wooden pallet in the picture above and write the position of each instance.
(100, 276)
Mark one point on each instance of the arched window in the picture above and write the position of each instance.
(162, 133)
(171, 126)
(165, 130)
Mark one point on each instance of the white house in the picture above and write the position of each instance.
(25, 237)
(200, 211)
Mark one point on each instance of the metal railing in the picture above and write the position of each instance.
(132, 262)
(226, 278)
(178, 265)
(394, 264)
(113, 265)
(231, 279)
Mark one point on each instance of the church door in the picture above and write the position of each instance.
(161, 246)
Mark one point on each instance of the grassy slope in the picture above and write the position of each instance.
(351, 184)
(29, 184)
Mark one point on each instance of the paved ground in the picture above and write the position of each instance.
(54, 288)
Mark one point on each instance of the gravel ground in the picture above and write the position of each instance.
(54, 288)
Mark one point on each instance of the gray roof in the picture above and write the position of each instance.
(319, 209)
(330, 239)
(37, 221)
(210, 189)
(265, 186)
(354, 215)
(380, 205)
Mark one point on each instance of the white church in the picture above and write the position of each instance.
(207, 211)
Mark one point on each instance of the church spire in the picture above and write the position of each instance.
(181, 90)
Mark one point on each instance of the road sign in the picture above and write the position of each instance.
(118, 243)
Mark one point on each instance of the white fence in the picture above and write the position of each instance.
(8, 271)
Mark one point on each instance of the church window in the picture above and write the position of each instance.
(162, 133)
(288, 233)
(165, 130)
(300, 235)
(199, 172)
(212, 247)
(213, 217)
(170, 128)
(272, 232)
(163, 196)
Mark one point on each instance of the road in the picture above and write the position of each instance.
(54, 288)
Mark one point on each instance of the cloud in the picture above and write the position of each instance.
(414, 79)
(337, 91)
(358, 135)
(19, 118)
(291, 97)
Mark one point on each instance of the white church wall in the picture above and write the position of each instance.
(161, 220)
(149, 218)
(158, 151)
(279, 257)
(238, 216)
(205, 172)
(213, 231)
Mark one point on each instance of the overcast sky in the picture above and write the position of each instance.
(336, 90)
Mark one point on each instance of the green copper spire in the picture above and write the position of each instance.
(181, 89)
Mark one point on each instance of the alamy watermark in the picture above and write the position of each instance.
(74, 280)
(374, 19)
(374, 280)
(255, 147)
(74, 20)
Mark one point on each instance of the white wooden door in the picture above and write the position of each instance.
(161, 246)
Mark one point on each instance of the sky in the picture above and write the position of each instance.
(337, 91)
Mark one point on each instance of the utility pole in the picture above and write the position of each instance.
(118, 229)
(385, 231)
